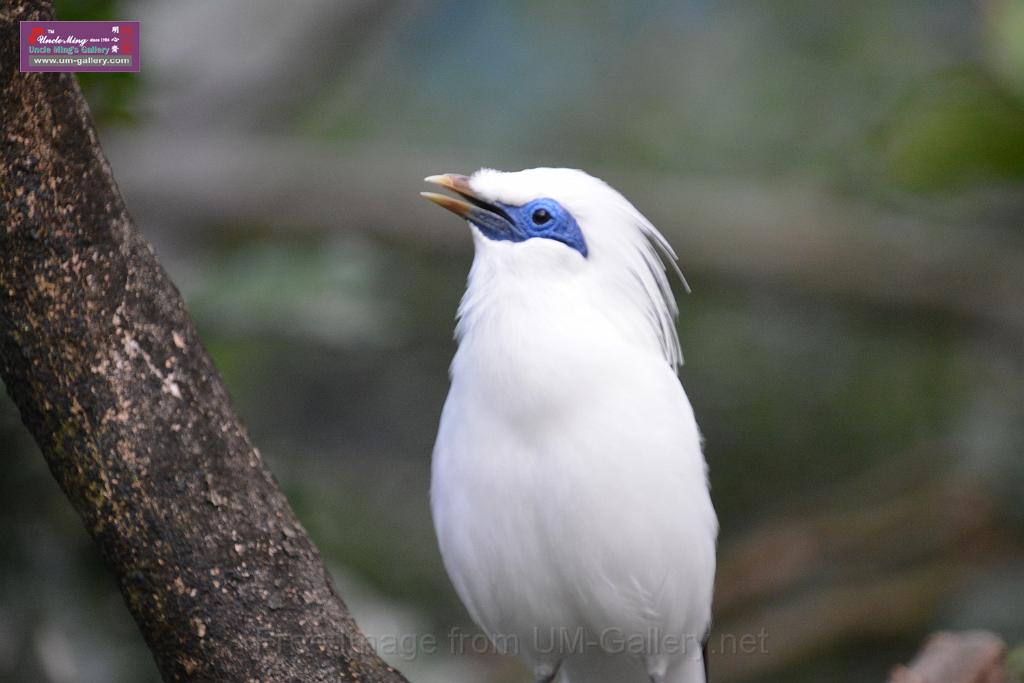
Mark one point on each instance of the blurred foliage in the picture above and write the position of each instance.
(1005, 50)
(1016, 663)
(960, 130)
(873, 96)
(820, 394)
(86, 10)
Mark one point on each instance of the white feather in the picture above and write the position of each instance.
(569, 490)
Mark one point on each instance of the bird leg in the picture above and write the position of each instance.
(546, 672)
(657, 667)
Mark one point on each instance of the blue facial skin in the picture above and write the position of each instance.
(542, 218)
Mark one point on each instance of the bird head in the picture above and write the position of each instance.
(546, 228)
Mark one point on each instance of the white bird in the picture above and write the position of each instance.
(569, 491)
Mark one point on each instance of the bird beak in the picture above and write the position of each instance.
(455, 183)
(486, 216)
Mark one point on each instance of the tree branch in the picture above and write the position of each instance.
(798, 236)
(969, 657)
(100, 356)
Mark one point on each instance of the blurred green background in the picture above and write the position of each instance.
(842, 181)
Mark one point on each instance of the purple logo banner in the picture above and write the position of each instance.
(80, 46)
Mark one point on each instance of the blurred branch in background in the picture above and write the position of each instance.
(794, 235)
(973, 657)
(812, 584)
(255, 45)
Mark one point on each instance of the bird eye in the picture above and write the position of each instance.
(541, 216)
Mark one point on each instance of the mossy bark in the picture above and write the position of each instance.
(99, 353)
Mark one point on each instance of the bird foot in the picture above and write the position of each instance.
(545, 673)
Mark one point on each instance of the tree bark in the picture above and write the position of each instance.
(102, 360)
